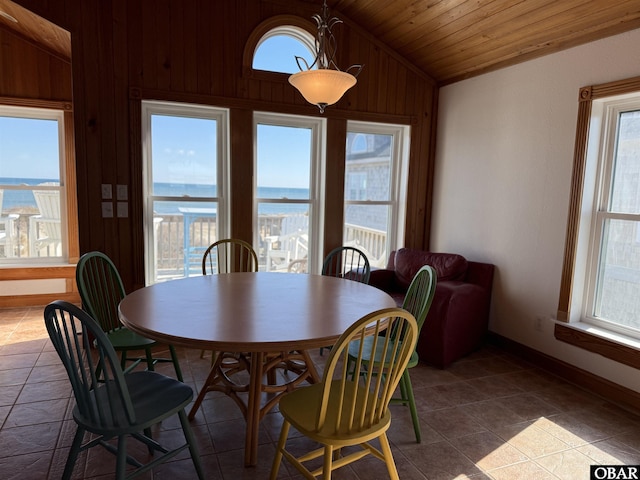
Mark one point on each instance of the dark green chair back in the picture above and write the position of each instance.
(347, 262)
(101, 289)
(417, 301)
(115, 405)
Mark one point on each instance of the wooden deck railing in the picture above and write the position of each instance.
(372, 242)
(176, 255)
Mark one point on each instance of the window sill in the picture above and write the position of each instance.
(37, 272)
(611, 345)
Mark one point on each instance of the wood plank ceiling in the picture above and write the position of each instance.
(455, 39)
(35, 29)
(448, 39)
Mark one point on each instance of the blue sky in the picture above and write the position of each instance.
(278, 54)
(28, 148)
(182, 147)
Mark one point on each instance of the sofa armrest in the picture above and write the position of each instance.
(480, 274)
(383, 279)
(456, 323)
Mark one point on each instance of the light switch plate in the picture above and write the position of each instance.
(122, 193)
(107, 210)
(123, 209)
(107, 191)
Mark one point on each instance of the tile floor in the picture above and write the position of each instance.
(488, 416)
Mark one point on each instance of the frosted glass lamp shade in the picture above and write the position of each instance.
(322, 87)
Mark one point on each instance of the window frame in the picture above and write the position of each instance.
(189, 110)
(399, 171)
(295, 33)
(318, 127)
(569, 328)
(63, 115)
(605, 117)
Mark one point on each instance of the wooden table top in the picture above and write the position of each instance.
(264, 311)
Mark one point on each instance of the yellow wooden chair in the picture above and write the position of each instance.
(229, 255)
(340, 412)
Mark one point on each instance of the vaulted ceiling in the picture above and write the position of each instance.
(448, 39)
(455, 39)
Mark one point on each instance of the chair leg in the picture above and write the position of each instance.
(328, 462)
(98, 372)
(404, 396)
(121, 458)
(388, 457)
(147, 433)
(176, 364)
(405, 381)
(350, 372)
(123, 359)
(284, 433)
(73, 454)
(149, 357)
(191, 440)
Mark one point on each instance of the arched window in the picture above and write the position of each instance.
(277, 50)
(358, 144)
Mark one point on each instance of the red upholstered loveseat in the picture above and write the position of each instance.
(458, 319)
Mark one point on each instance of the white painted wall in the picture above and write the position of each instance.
(504, 158)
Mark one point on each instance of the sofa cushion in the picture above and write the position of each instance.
(449, 266)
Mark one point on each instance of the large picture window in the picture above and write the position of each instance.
(375, 176)
(613, 276)
(600, 275)
(185, 190)
(33, 187)
(289, 182)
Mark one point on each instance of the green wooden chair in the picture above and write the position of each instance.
(347, 262)
(119, 406)
(101, 290)
(417, 301)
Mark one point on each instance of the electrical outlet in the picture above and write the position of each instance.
(538, 323)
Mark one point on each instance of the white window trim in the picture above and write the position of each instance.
(297, 33)
(399, 177)
(597, 181)
(58, 116)
(316, 182)
(221, 115)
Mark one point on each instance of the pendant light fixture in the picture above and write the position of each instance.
(326, 83)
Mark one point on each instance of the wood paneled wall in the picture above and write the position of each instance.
(192, 50)
(29, 72)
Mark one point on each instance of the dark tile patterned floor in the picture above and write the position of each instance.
(488, 416)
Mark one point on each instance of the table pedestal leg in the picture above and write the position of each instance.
(253, 409)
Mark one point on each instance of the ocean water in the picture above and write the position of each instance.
(20, 198)
(17, 198)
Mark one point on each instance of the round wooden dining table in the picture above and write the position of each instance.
(261, 321)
